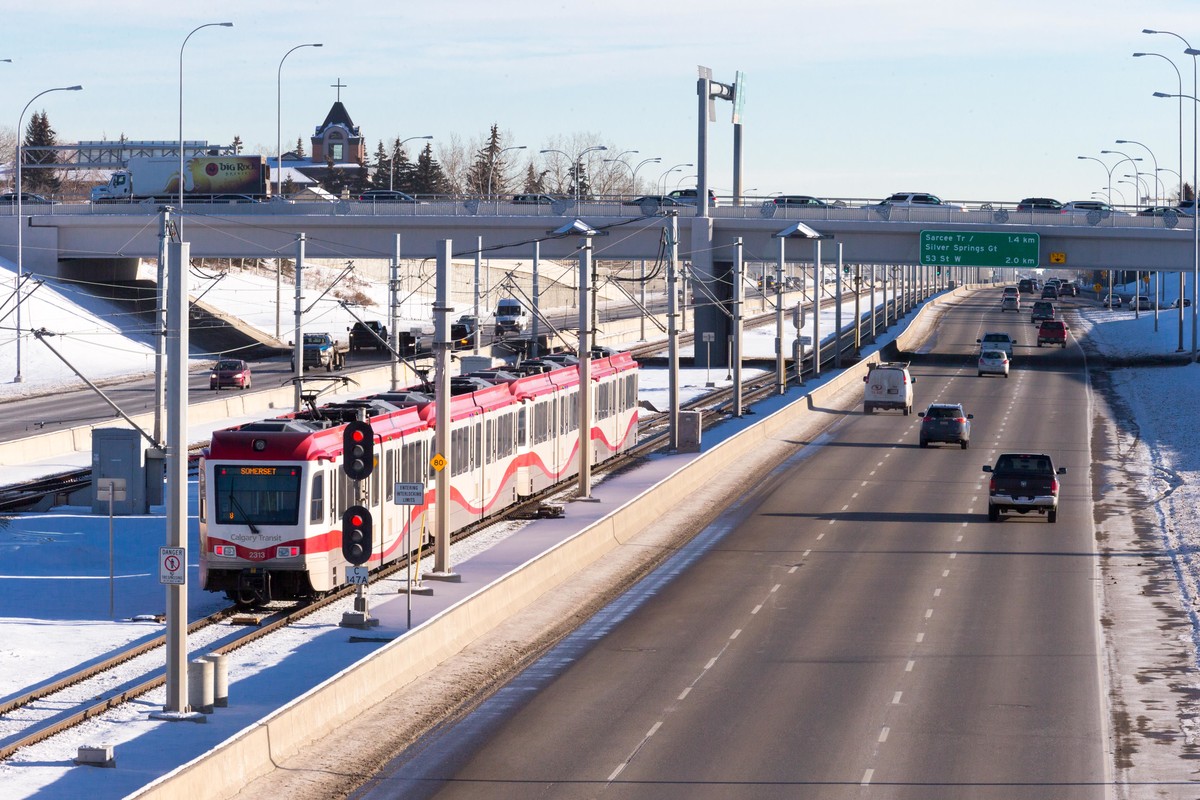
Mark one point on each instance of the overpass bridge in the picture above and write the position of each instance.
(107, 242)
(57, 237)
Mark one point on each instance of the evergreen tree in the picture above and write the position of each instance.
(289, 186)
(428, 177)
(488, 171)
(237, 145)
(405, 170)
(35, 178)
(580, 187)
(381, 178)
(300, 147)
(535, 182)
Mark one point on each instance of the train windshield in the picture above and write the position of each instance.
(256, 494)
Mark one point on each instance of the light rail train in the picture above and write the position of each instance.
(272, 492)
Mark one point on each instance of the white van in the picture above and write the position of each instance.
(510, 317)
(888, 385)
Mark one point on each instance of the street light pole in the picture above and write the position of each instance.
(392, 160)
(278, 171)
(1178, 76)
(663, 179)
(575, 165)
(181, 47)
(1195, 201)
(492, 164)
(21, 223)
(1152, 158)
(1195, 207)
(1124, 157)
(279, 127)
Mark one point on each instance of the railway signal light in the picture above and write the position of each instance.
(358, 450)
(356, 534)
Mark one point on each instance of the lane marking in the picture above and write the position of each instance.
(945, 573)
(920, 638)
(896, 698)
(937, 592)
(928, 613)
(711, 662)
(757, 608)
(821, 536)
(806, 552)
(736, 634)
(954, 555)
(793, 569)
(866, 779)
(775, 588)
(883, 734)
(845, 507)
(684, 693)
(909, 666)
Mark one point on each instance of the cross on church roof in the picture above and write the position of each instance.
(339, 86)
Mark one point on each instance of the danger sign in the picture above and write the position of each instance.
(172, 566)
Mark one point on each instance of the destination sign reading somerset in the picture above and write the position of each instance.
(981, 249)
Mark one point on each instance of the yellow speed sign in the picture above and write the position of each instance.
(438, 462)
(1097, 287)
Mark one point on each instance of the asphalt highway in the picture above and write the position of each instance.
(853, 628)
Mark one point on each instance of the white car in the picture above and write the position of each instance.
(919, 200)
(1010, 303)
(997, 341)
(993, 362)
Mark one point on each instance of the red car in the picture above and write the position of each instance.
(231, 372)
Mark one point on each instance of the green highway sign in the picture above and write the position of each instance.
(979, 249)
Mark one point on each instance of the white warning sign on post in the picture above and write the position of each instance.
(172, 566)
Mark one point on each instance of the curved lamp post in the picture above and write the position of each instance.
(1124, 157)
(278, 125)
(1179, 77)
(575, 165)
(1194, 209)
(1152, 158)
(1195, 201)
(492, 164)
(181, 47)
(663, 179)
(392, 164)
(20, 223)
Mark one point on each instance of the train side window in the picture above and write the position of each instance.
(316, 511)
(203, 515)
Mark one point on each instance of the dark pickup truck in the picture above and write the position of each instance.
(372, 334)
(1024, 483)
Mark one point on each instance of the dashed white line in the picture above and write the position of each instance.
(883, 734)
(937, 592)
(896, 698)
(711, 662)
(909, 666)
(945, 573)
(845, 507)
(806, 552)
(776, 587)
(920, 638)
(866, 779)
(736, 634)
(757, 609)
(954, 555)
(928, 613)
(684, 693)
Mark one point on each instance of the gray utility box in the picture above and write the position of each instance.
(118, 453)
(690, 425)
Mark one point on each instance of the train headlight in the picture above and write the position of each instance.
(260, 445)
(224, 550)
(290, 551)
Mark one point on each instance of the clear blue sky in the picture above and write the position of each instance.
(845, 98)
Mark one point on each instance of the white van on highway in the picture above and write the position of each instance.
(888, 386)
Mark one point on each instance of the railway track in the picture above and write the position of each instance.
(51, 708)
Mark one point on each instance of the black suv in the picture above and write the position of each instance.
(371, 333)
(946, 422)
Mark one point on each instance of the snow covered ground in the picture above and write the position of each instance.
(54, 567)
